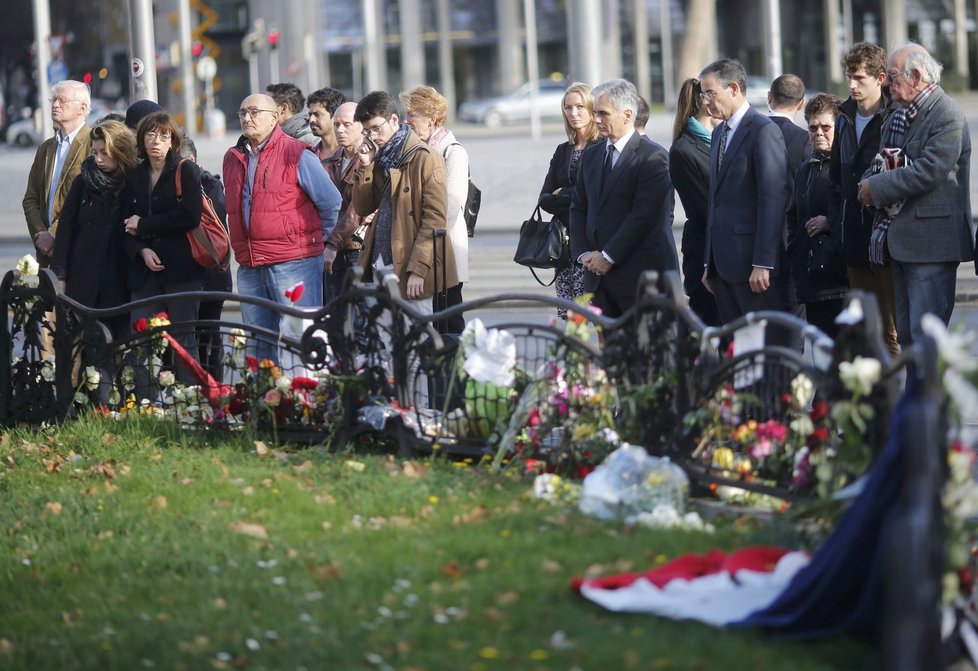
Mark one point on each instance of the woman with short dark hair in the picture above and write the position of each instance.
(156, 223)
(814, 247)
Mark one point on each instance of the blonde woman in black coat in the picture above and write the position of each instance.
(555, 198)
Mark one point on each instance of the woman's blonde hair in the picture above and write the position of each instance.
(426, 101)
(120, 143)
(591, 130)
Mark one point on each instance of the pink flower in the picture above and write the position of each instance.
(273, 398)
(761, 449)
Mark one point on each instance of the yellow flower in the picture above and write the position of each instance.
(489, 653)
(723, 457)
(433, 499)
(582, 432)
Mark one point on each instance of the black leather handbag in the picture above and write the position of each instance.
(542, 244)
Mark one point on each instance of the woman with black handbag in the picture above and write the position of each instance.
(558, 187)
(814, 253)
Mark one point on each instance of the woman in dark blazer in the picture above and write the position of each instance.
(88, 254)
(821, 289)
(689, 168)
(558, 187)
(157, 222)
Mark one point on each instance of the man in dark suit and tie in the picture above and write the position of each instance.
(748, 193)
(621, 213)
(785, 99)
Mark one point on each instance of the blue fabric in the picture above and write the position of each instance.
(841, 589)
(321, 191)
(271, 282)
(919, 288)
(698, 131)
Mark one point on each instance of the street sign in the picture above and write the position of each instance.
(206, 68)
(57, 71)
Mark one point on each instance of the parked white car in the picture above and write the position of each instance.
(515, 106)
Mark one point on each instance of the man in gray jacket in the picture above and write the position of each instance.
(292, 116)
(931, 233)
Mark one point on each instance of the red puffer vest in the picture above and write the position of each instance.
(284, 224)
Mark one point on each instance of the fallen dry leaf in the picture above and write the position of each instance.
(327, 525)
(53, 507)
(324, 498)
(220, 603)
(105, 468)
(482, 563)
(595, 570)
(107, 439)
(303, 467)
(6, 647)
(261, 449)
(326, 572)
(52, 465)
(249, 529)
(451, 570)
(506, 598)
(159, 503)
(414, 470)
(551, 566)
(477, 514)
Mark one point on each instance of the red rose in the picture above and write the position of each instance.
(304, 383)
(819, 435)
(251, 362)
(140, 325)
(583, 470)
(819, 411)
(162, 315)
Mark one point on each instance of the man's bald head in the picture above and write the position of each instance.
(346, 128)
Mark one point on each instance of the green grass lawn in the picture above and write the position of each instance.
(131, 546)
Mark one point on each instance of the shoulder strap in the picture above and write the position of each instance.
(179, 170)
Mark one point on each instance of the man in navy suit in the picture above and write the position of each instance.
(748, 194)
(785, 99)
(621, 212)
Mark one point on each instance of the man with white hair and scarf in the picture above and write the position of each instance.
(924, 228)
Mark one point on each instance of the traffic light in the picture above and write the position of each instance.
(273, 37)
(196, 48)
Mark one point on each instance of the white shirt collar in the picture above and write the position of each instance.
(70, 137)
(737, 117)
(622, 141)
(789, 117)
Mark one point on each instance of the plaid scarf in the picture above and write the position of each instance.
(894, 137)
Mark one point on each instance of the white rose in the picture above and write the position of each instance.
(860, 374)
(167, 378)
(92, 378)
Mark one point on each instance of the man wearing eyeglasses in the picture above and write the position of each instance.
(403, 179)
(748, 195)
(56, 164)
(281, 205)
(923, 229)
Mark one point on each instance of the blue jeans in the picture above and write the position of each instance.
(919, 288)
(271, 282)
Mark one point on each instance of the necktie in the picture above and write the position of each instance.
(723, 143)
(60, 152)
(609, 161)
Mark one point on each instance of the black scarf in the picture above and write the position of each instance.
(390, 155)
(98, 181)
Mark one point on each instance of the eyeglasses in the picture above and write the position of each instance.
(252, 113)
(826, 128)
(375, 129)
(893, 75)
(63, 101)
(707, 95)
(153, 135)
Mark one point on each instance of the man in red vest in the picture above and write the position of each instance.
(281, 206)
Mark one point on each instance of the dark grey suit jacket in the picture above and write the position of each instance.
(934, 224)
(628, 215)
(747, 200)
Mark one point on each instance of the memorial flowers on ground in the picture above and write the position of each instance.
(806, 446)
